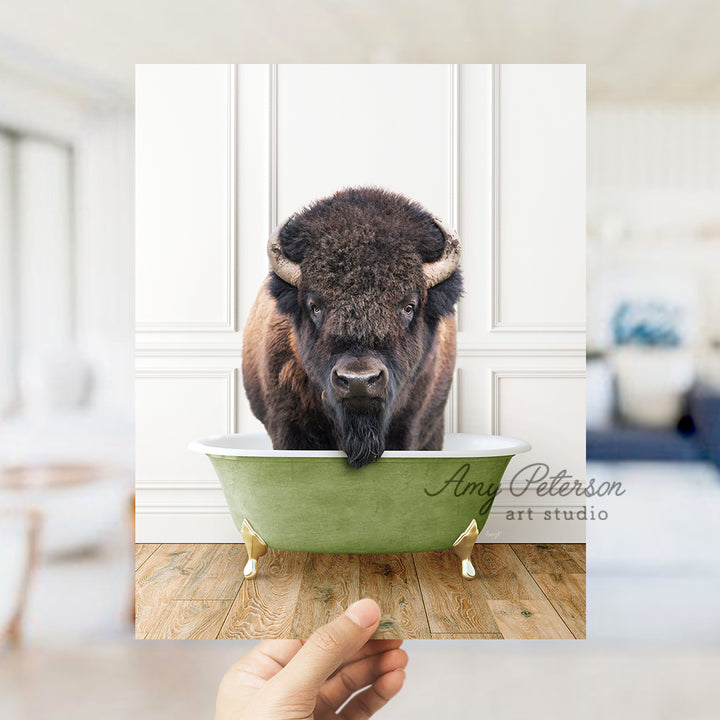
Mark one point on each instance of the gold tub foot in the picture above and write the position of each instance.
(463, 546)
(256, 547)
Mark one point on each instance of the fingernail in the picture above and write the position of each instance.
(364, 612)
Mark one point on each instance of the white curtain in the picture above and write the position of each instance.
(8, 340)
(37, 269)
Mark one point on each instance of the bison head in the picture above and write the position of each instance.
(365, 276)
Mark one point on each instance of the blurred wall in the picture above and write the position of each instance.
(66, 247)
(654, 210)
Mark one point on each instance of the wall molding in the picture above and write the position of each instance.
(228, 374)
(452, 409)
(229, 324)
(178, 485)
(176, 350)
(454, 150)
(470, 351)
(195, 509)
(497, 324)
(497, 375)
(273, 147)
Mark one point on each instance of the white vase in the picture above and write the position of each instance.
(652, 383)
(598, 395)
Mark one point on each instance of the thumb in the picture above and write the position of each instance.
(328, 648)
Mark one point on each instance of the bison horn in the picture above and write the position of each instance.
(442, 269)
(284, 268)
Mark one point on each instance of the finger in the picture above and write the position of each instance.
(370, 700)
(355, 676)
(265, 660)
(328, 648)
(280, 651)
(375, 647)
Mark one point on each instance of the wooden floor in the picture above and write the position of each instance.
(520, 591)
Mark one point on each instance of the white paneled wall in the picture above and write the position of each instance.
(224, 152)
(185, 164)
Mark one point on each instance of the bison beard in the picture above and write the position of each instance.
(362, 437)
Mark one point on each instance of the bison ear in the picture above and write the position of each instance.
(431, 243)
(286, 297)
(443, 296)
(284, 265)
(292, 239)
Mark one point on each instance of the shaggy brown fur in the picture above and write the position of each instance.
(361, 253)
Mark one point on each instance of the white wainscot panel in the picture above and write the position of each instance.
(194, 525)
(475, 209)
(173, 407)
(387, 125)
(187, 514)
(546, 408)
(539, 246)
(184, 204)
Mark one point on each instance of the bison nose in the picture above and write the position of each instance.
(359, 378)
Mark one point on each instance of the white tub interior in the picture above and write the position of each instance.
(456, 445)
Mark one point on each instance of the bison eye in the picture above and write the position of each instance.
(315, 309)
(407, 308)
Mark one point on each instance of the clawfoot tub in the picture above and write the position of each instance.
(313, 501)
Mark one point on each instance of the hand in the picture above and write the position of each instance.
(296, 680)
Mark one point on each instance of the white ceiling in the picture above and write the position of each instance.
(636, 51)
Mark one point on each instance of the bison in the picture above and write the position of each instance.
(351, 341)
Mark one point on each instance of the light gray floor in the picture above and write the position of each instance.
(512, 679)
(654, 565)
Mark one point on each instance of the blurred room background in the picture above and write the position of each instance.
(66, 355)
(653, 365)
(66, 400)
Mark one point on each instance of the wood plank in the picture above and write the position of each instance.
(391, 580)
(453, 604)
(217, 573)
(265, 606)
(505, 579)
(189, 620)
(203, 559)
(143, 551)
(225, 574)
(423, 595)
(159, 578)
(566, 592)
(577, 552)
(467, 636)
(546, 559)
(330, 584)
(502, 575)
(528, 620)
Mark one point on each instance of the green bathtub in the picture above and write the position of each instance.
(313, 501)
